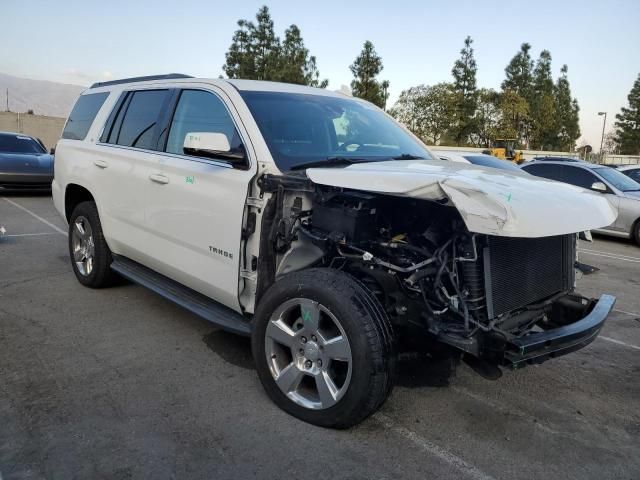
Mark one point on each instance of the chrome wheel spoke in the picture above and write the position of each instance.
(80, 228)
(281, 333)
(337, 348)
(327, 390)
(289, 378)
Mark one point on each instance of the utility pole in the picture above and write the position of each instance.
(7, 99)
(603, 125)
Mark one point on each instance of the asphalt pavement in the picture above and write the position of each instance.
(119, 383)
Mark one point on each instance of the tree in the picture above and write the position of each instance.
(466, 93)
(514, 113)
(256, 53)
(542, 104)
(428, 111)
(566, 114)
(518, 73)
(487, 117)
(628, 123)
(365, 68)
(519, 81)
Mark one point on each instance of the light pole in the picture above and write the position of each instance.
(603, 125)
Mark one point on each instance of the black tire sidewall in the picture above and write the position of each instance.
(354, 317)
(101, 275)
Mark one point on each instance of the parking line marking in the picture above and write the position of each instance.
(627, 313)
(35, 215)
(619, 342)
(617, 256)
(430, 447)
(30, 235)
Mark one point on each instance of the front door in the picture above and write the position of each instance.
(195, 208)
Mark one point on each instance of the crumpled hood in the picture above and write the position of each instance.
(490, 201)
(26, 163)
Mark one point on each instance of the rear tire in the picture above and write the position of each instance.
(324, 348)
(636, 232)
(90, 255)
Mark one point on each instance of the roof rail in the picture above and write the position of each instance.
(166, 76)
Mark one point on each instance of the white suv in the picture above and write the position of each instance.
(315, 223)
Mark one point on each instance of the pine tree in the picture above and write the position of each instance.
(628, 123)
(518, 73)
(464, 85)
(365, 68)
(519, 81)
(542, 104)
(256, 53)
(566, 114)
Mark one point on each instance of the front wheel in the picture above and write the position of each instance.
(323, 348)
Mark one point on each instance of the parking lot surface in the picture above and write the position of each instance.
(119, 383)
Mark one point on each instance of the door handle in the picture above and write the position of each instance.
(100, 163)
(156, 177)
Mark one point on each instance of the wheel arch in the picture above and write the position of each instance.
(75, 194)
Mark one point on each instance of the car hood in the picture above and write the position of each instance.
(26, 163)
(490, 201)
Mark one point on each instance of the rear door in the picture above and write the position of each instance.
(127, 154)
(196, 204)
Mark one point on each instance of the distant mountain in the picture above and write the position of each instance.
(43, 97)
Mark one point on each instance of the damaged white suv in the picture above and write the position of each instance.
(316, 224)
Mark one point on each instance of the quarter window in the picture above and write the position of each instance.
(200, 111)
(137, 121)
(82, 115)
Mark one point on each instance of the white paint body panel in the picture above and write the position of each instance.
(491, 201)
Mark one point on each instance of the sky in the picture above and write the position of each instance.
(80, 42)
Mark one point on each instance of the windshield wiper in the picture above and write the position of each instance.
(330, 162)
(408, 156)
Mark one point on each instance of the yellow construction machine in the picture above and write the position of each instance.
(504, 149)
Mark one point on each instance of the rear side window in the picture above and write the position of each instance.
(552, 172)
(137, 121)
(82, 115)
(200, 111)
(634, 174)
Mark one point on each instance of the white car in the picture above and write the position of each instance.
(475, 158)
(319, 226)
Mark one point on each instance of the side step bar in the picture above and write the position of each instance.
(193, 301)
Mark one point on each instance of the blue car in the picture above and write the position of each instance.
(25, 165)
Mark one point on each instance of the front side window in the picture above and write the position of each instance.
(12, 143)
(579, 177)
(633, 174)
(200, 111)
(135, 125)
(302, 128)
(82, 115)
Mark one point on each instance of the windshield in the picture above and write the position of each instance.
(493, 162)
(617, 179)
(301, 129)
(12, 143)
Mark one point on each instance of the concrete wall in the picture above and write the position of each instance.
(614, 159)
(47, 129)
(527, 154)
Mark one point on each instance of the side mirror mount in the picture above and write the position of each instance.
(52, 151)
(212, 145)
(599, 187)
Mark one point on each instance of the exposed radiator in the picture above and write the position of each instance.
(521, 271)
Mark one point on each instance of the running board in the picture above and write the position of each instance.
(193, 301)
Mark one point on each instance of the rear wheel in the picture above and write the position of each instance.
(323, 348)
(636, 232)
(90, 256)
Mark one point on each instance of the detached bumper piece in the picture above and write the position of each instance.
(541, 346)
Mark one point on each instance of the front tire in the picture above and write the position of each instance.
(636, 232)
(323, 348)
(90, 255)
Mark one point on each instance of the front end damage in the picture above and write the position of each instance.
(496, 300)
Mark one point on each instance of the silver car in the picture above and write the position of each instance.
(622, 191)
